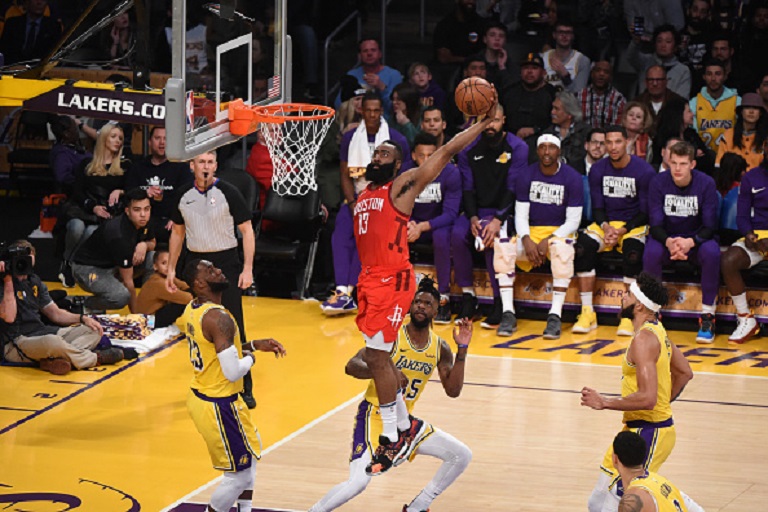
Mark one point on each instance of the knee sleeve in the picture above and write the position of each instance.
(603, 497)
(504, 257)
(585, 249)
(231, 486)
(633, 257)
(562, 254)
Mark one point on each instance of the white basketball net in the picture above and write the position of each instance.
(293, 147)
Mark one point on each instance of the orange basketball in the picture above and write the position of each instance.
(474, 96)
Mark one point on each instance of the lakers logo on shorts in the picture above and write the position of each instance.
(359, 447)
(245, 460)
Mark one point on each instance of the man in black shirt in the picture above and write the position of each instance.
(114, 248)
(161, 179)
(530, 100)
(26, 338)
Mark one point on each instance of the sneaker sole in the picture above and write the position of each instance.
(412, 446)
(749, 336)
(582, 330)
(705, 341)
(64, 282)
(624, 333)
(486, 325)
(506, 333)
(336, 312)
(441, 322)
(551, 336)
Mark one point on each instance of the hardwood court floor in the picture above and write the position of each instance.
(119, 438)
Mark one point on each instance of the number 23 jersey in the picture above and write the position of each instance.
(381, 230)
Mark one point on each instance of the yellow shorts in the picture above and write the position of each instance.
(597, 232)
(659, 443)
(537, 234)
(755, 257)
(225, 424)
(368, 427)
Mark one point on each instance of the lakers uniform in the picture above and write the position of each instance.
(714, 120)
(219, 413)
(666, 496)
(656, 426)
(418, 366)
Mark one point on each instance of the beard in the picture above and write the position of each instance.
(379, 174)
(219, 286)
(493, 137)
(421, 324)
(628, 312)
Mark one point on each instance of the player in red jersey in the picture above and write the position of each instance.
(387, 285)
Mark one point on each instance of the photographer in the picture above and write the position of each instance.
(114, 249)
(26, 338)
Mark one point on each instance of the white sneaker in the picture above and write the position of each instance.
(746, 327)
(625, 328)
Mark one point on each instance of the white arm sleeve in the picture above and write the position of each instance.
(522, 225)
(232, 367)
(571, 224)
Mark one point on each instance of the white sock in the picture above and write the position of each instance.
(244, 505)
(558, 299)
(586, 299)
(403, 422)
(389, 420)
(707, 310)
(629, 280)
(468, 289)
(343, 290)
(740, 301)
(507, 298)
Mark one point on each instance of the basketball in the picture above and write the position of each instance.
(474, 96)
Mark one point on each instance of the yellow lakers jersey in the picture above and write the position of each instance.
(417, 365)
(663, 410)
(209, 379)
(664, 493)
(712, 122)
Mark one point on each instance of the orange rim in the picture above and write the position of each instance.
(276, 113)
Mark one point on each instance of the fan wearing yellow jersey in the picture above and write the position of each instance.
(653, 374)
(218, 411)
(416, 353)
(646, 491)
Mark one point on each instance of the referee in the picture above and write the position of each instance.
(207, 213)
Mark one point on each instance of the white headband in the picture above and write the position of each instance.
(552, 139)
(643, 298)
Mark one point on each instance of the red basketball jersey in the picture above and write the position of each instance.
(381, 230)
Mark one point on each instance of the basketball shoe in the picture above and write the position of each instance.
(746, 327)
(586, 322)
(405, 509)
(386, 454)
(339, 304)
(412, 437)
(625, 328)
(706, 332)
(443, 312)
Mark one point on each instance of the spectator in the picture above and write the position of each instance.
(161, 178)
(374, 75)
(350, 112)
(568, 126)
(754, 42)
(432, 122)
(601, 103)
(748, 134)
(121, 42)
(489, 167)
(595, 146)
(656, 94)
(728, 175)
(495, 55)
(260, 166)
(431, 94)
(566, 68)
(113, 250)
(530, 99)
(762, 90)
(683, 221)
(456, 119)
(665, 153)
(696, 39)
(29, 37)
(665, 43)
(67, 154)
(155, 299)
(597, 21)
(722, 49)
(675, 120)
(456, 37)
(637, 121)
(714, 108)
(406, 109)
(28, 337)
(432, 218)
(653, 14)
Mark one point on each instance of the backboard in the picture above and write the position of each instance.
(222, 51)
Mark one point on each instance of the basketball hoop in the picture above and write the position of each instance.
(293, 133)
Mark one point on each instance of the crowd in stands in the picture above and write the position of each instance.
(627, 126)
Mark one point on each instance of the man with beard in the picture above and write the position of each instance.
(683, 217)
(549, 199)
(489, 168)
(618, 187)
(386, 285)
(417, 352)
(714, 108)
(654, 373)
(530, 99)
(601, 103)
(696, 39)
(217, 410)
(433, 123)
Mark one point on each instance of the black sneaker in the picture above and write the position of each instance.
(109, 356)
(65, 275)
(386, 454)
(249, 400)
(493, 320)
(443, 312)
(552, 331)
(508, 324)
(468, 307)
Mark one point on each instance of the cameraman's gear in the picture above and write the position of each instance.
(17, 260)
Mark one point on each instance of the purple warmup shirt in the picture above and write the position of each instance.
(683, 211)
(439, 202)
(549, 196)
(621, 192)
(752, 206)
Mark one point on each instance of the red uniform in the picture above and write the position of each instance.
(386, 285)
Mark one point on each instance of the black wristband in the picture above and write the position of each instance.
(81, 318)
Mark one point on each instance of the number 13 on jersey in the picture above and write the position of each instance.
(362, 223)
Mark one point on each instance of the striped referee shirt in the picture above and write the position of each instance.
(210, 217)
(601, 109)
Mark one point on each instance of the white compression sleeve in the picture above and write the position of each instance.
(571, 224)
(345, 491)
(522, 225)
(233, 367)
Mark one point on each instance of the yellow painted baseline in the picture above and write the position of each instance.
(116, 438)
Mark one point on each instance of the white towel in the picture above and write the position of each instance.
(360, 152)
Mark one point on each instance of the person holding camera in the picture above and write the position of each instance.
(25, 337)
(103, 265)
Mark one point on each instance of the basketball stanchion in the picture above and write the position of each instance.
(293, 133)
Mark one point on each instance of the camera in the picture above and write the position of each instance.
(18, 260)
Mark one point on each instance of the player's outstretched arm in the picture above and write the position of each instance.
(268, 345)
(219, 327)
(681, 372)
(452, 373)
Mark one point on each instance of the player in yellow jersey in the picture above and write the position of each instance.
(417, 352)
(645, 491)
(219, 413)
(653, 374)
